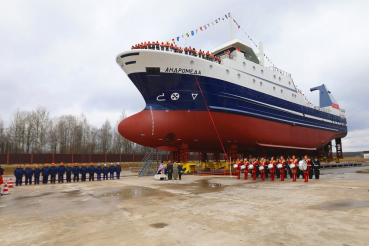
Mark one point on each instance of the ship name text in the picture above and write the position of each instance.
(182, 70)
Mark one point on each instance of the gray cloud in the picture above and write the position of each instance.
(61, 54)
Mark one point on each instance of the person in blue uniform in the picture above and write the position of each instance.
(68, 172)
(111, 171)
(53, 172)
(75, 171)
(105, 172)
(18, 173)
(98, 172)
(61, 171)
(28, 173)
(91, 171)
(83, 172)
(36, 174)
(118, 169)
(45, 174)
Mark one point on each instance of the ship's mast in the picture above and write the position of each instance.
(231, 27)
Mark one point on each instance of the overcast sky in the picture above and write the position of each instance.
(61, 54)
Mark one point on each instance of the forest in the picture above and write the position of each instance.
(37, 132)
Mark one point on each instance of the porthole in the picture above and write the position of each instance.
(275, 76)
(253, 81)
(253, 68)
(261, 83)
(244, 64)
(262, 71)
(281, 91)
(191, 62)
(211, 66)
(289, 82)
(238, 76)
(273, 88)
(279, 78)
(227, 71)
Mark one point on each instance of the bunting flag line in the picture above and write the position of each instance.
(202, 28)
(217, 20)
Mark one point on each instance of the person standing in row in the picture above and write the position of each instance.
(111, 171)
(306, 172)
(311, 171)
(83, 172)
(76, 172)
(105, 172)
(53, 172)
(316, 164)
(1, 175)
(175, 171)
(272, 170)
(45, 174)
(283, 169)
(91, 171)
(28, 173)
(170, 170)
(61, 171)
(180, 171)
(98, 172)
(36, 174)
(294, 169)
(68, 171)
(18, 173)
(118, 169)
(262, 167)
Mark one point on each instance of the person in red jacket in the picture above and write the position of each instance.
(306, 172)
(293, 169)
(1, 175)
(255, 163)
(281, 170)
(162, 46)
(272, 170)
(246, 170)
(262, 168)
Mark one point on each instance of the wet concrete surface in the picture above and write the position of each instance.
(198, 210)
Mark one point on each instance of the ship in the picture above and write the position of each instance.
(200, 105)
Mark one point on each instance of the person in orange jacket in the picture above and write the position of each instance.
(180, 50)
(162, 46)
(149, 45)
(157, 45)
(167, 47)
(176, 49)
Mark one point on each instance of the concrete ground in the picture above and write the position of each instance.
(198, 210)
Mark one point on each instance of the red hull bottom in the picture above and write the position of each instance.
(196, 129)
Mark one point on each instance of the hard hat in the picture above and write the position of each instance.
(83, 164)
(68, 164)
(105, 165)
(62, 164)
(111, 163)
(53, 164)
(91, 163)
(98, 164)
(46, 165)
(75, 164)
(28, 165)
(36, 166)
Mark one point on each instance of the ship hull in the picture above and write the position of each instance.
(195, 128)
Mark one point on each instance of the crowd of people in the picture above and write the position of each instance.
(52, 172)
(280, 167)
(174, 48)
(174, 170)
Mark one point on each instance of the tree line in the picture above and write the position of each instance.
(36, 132)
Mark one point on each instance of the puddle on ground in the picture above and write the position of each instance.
(341, 205)
(34, 196)
(131, 192)
(197, 187)
(159, 225)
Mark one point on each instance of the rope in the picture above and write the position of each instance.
(211, 117)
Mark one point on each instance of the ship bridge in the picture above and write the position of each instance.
(234, 44)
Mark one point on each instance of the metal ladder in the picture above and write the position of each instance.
(147, 168)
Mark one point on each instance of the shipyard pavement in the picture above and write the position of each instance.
(198, 210)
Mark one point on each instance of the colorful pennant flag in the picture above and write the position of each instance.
(177, 38)
(192, 33)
